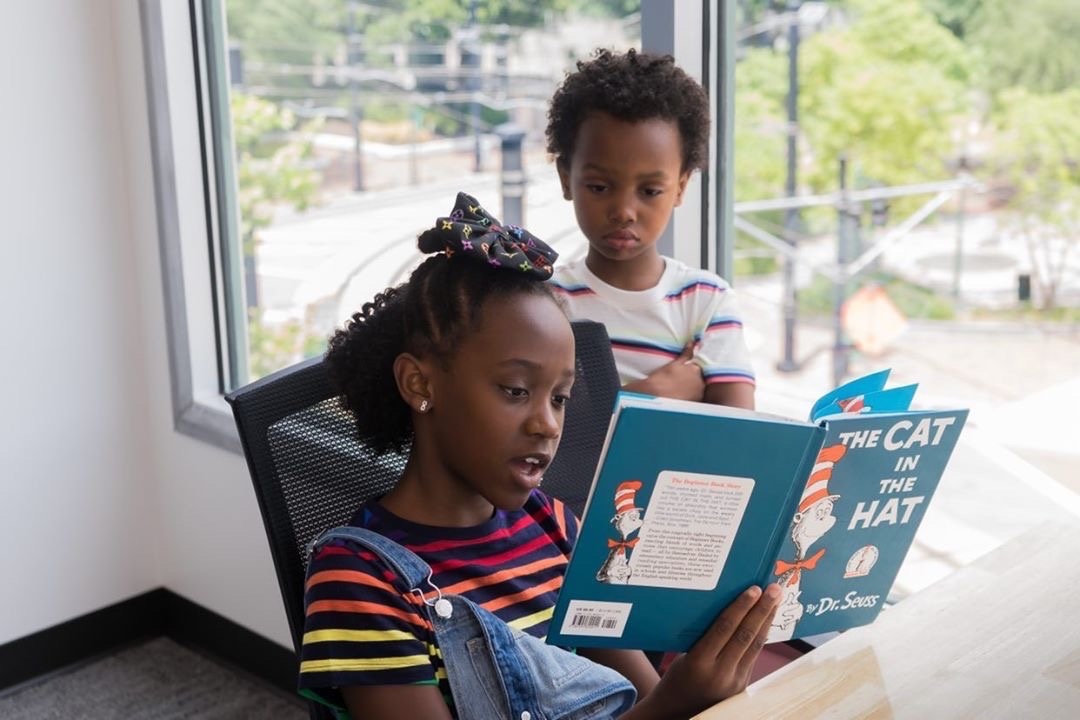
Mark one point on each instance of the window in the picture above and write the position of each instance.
(302, 145)
(351, 127)
(906, 195)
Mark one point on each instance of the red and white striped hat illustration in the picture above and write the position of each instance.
(817, 487)
(625, 494)
(853, 405)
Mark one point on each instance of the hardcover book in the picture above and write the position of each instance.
(693, 503)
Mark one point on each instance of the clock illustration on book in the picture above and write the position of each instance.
(861, 562)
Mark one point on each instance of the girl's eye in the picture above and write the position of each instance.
(560, 400)
(595, 187)
(652, 192)
(514, 392)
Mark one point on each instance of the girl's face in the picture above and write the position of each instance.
(497, 407)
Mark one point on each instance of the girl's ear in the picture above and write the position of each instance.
(413, 378)
(564, 178)
(683, 179)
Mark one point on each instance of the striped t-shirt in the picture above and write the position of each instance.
(363, 627)
(649, 328)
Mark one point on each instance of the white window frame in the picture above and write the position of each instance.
(188, 209)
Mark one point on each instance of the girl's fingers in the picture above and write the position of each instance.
(735, 631)
(746, 663)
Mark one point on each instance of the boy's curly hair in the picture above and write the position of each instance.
(631, 86)
(427, 316)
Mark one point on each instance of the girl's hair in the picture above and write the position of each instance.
(427, 316)
(632, 87)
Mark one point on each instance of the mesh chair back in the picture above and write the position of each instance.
(311, 473)
(588, 413)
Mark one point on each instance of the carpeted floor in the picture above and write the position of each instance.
(158, 680)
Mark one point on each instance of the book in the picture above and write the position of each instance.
(693, 503)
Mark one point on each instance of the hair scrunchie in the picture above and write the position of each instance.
(473, 232)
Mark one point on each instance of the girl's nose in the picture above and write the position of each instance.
(545, 421)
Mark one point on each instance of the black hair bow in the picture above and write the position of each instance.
(473, 232)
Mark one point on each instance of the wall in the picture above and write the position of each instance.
(100, 499)
(210, 536)
(76, 480)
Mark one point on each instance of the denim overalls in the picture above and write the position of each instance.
(497, 672)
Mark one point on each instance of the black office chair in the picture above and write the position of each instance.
(311, 472)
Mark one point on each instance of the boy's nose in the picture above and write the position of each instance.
(621, 211)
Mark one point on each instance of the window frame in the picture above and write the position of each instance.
(189, 248)
(183, 79)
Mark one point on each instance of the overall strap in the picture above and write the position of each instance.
(408, 566)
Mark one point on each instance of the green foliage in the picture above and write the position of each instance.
(605, 8)
(272, 165)
(956, 15)
(309, 25)
(272, 170)
(1038, 151)
(272, 347)
(436, 20)
(748, 265)
(748, 12)
(1028, 312)
(319, 26)
(914, 301)
(886, 89)
(1033, 44)
(760, 126)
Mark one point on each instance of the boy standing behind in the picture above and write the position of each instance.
(626, 131)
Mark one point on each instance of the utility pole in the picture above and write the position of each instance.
(844, 221)
(356, 113)
(791, 215)
(472, 54)
(958, 257)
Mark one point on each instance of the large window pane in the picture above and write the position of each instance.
(912, 200)
(352, 127)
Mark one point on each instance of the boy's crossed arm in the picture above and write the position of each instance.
(682, 379)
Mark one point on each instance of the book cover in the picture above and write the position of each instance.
(857, 516)
(692, 503)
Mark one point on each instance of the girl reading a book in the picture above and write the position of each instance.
(468, 366)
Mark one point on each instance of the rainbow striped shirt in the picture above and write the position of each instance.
(363, 629)
(649, 328)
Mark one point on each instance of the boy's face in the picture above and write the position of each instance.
(624, 179)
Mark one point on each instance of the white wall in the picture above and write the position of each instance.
(210, 537)
(75, 471)
(99, 498)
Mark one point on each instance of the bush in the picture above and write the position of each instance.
(915, 301)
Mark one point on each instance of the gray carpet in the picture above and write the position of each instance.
(158, 680)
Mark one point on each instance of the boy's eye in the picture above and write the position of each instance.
(595, 187)
(560, 400)
(652, 192)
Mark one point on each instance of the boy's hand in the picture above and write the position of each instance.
(719, 664)
(680, 379)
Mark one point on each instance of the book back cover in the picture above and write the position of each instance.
(688, 508)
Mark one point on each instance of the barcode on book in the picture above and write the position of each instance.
(593, 621)
(595, 618)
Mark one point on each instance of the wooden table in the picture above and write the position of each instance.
(999, 638)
